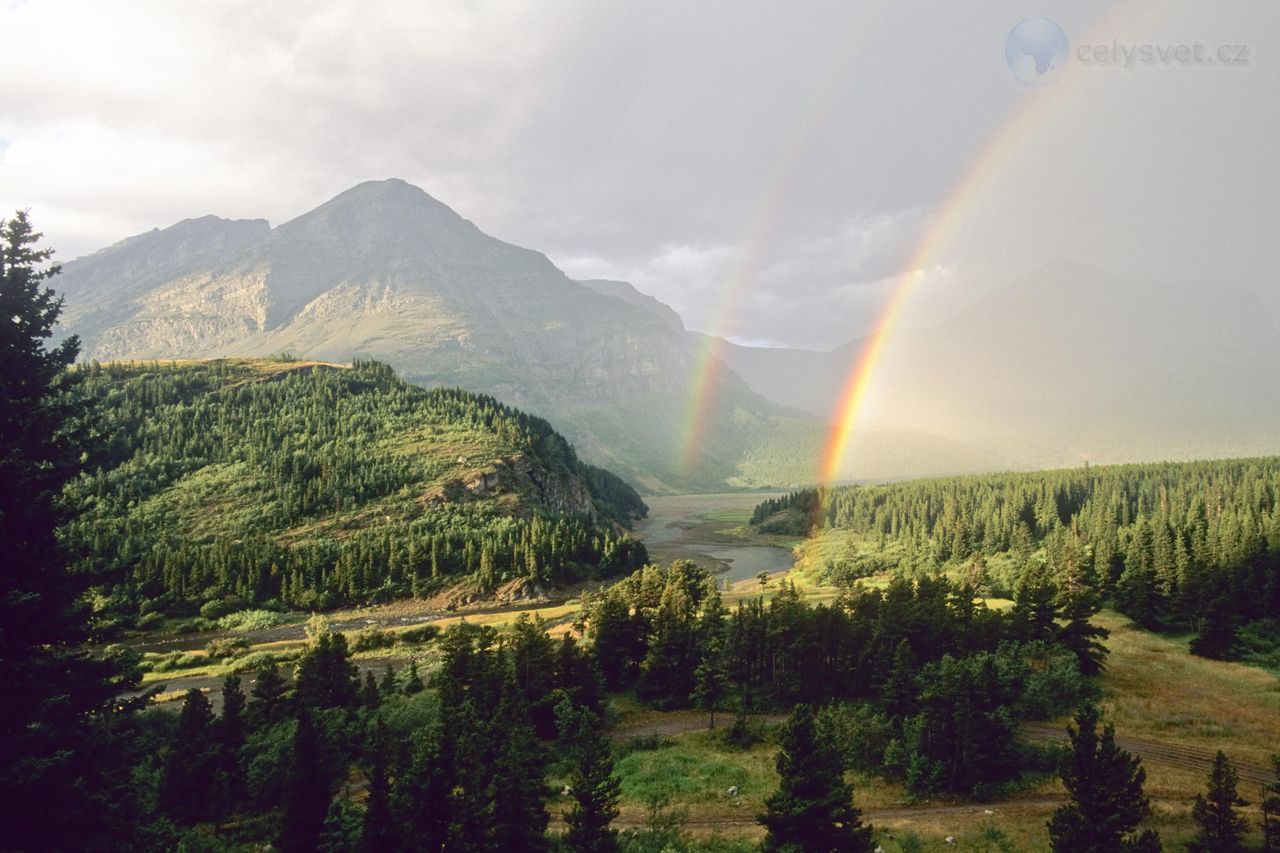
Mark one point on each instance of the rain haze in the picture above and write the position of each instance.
(767, 172)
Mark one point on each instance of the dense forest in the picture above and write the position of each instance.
(1187, 546)
(916, 681)
(311, 486)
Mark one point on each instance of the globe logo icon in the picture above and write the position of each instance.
(1036, 51)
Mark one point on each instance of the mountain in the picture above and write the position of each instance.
(1065, 364)
(316, 485)
(385, 271)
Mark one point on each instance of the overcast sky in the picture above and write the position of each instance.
(766, 169)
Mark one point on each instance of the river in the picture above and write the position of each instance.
(708, 529)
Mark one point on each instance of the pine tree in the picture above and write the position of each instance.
(900, 689)
(379, 831)
(268, 706)
(812, 811)
(413, 684)
(1271, 809)
(593, 786)
(711, 679)
(1221, 826)
(1079, 635)
(387, 686)
(1105, 784)
(1217, 637)
(1032, 617)
(370, 696)
(191, 764)
(307, 793)
(231, 733)
(421, 801)
(519, 791)
(53, 690)
(326, 677)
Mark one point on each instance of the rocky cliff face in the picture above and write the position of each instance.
(386, 271)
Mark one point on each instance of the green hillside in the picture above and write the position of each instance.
(1182, 547)
(315, 485)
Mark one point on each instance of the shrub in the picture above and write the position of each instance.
(860, 732)
(215, 609)
(253, 620)
(150, 621)
(226, 647)
(423, 634)
(373, 637)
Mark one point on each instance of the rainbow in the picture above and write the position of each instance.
(708, 369)
(964, 193)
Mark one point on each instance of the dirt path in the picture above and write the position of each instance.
(1159, 752)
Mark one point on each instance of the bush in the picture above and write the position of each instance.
(373, 637)
(253, 620)
(215, 609)
(423, 634)
(176, 661)
(226, 647)
(255, 661)
(150, 621)
(860, 732)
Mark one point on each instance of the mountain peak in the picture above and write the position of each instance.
(389, 193)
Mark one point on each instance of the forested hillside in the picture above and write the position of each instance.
(314, 485)
(1180, 546)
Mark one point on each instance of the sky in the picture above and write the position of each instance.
(771, 172)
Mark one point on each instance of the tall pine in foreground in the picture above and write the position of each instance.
(812, 811)
(52, 690)
(1107, 803)
(1221, 826)
(593, 786)
(307, 791)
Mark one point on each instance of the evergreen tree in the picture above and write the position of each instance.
(519, 791)
(1105, 784)
(1080, 636)
(370, 696)
(191, 764)
(1217, 636)
(379, 831)
(711, 679)
(307, 792)
(387, 686)
(421, 800)
(413, 684)
(1221, 826)
(594, 787)
(616, 639)
(900, 690)
(231, 733)
(53, 690)
(1271, 809)
(1032, 617)
(268, 706)
(326, 677)
(812, 811)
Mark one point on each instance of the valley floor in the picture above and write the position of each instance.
(1172, 709)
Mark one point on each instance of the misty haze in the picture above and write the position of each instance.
(593, 427)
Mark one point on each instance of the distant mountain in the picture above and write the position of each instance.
(1065, 364)
(385, 271)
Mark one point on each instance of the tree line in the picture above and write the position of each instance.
(1188, 546)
